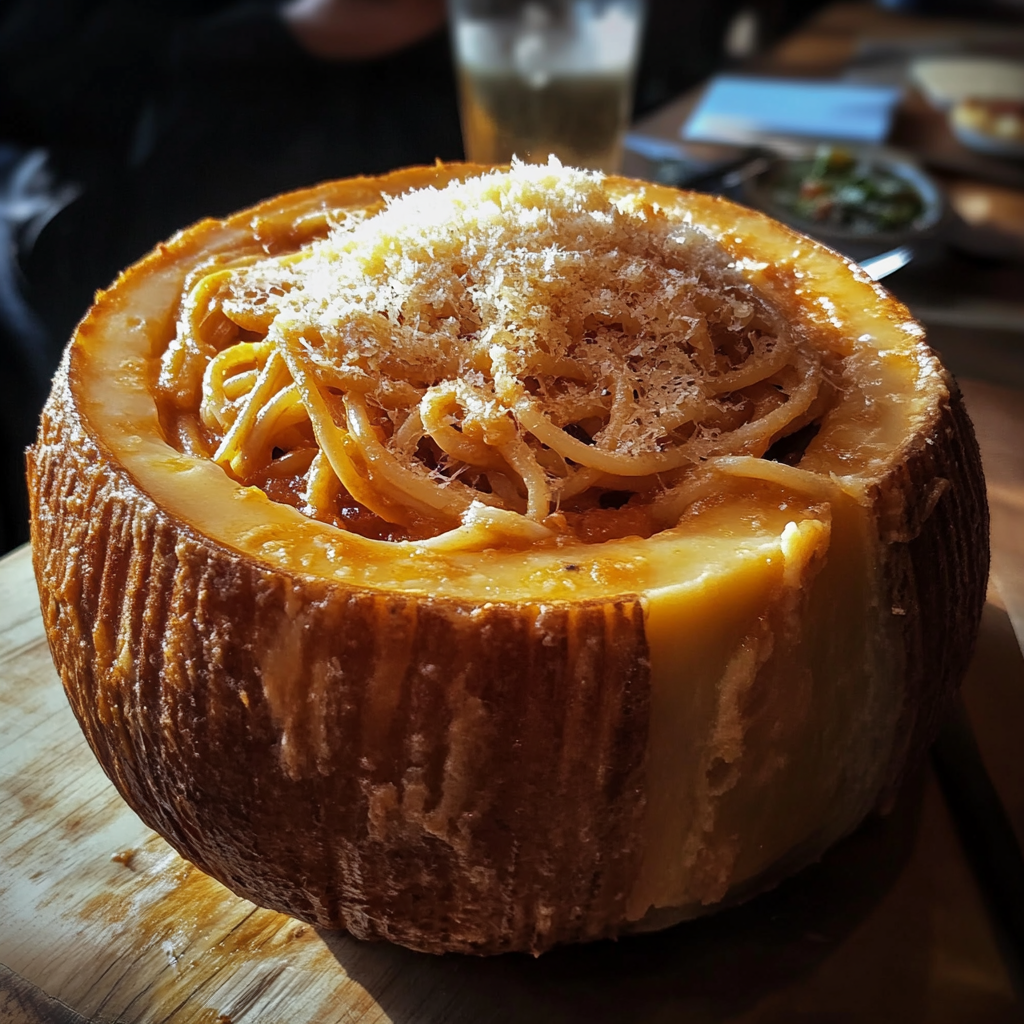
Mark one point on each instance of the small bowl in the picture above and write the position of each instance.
(990, 126)
(857, 242)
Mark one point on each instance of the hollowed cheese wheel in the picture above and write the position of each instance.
(504, 747)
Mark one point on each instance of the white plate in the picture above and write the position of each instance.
(990, 145)
(948, 80)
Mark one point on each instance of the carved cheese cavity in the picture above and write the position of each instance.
(519, 359)
(696, 520)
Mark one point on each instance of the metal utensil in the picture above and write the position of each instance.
(886, 263)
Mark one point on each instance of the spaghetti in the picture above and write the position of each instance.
(505, 354)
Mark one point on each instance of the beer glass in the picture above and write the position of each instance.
(538, 77)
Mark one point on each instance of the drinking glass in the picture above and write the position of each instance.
(538, 77)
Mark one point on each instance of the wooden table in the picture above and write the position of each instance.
(100, 920)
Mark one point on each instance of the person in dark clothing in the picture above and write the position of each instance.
(125, 120)
(226, 108)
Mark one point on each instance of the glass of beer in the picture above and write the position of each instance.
(538, 77)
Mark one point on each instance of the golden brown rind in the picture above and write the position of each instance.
(934, 527)
(457, 778)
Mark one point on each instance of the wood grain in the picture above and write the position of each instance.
(101, 921)
(23, 1003)
(998, 415)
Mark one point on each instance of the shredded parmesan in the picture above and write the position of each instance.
(524, 341)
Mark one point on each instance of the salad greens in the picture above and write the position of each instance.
(835, 189)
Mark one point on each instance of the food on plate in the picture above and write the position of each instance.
(490, 559)
(1002, 119)
(837, 189)
(991, 125)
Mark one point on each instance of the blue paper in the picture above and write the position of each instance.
(746, 111)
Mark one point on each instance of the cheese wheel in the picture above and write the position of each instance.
(608, 579)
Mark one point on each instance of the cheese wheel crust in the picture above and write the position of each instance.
(446, 773)
(546, 705)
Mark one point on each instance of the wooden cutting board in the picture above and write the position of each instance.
(100, 920)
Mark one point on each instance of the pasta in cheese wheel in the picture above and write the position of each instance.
(485, 559)
(447, 353)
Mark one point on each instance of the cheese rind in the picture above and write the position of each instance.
(508, 749)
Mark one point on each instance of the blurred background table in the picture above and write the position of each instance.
(973, 305)
(971, 300)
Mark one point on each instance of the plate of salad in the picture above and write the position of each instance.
(854, 200)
